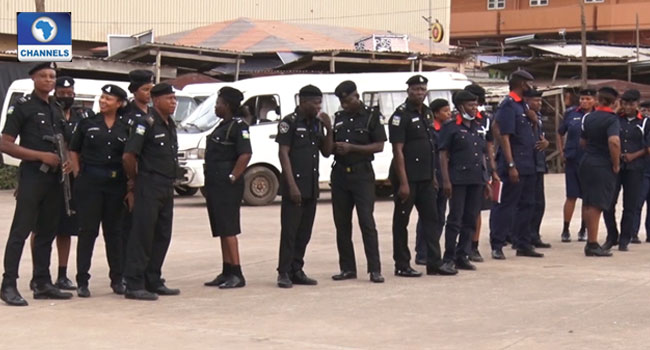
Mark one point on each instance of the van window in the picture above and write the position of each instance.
(262, 109)
(202, 118)
(330, 104)
(445, 94)
(184, 107)
(388, 101)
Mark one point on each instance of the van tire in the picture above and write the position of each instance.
(261, 186)
(185, 191)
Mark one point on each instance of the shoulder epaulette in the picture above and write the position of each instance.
(23, 99)
(149, 120)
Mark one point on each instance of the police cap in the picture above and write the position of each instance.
(631, 95)
(608, 90)
(345, 89)
(64, 82)
(161, 89)
(478, 91)
(588, 92)
(438, 104)
(140, 77)
(645, 104)
(533, 93)
(417, 79)
(522, 74)
(44, 65)
(231, 95)
(310, 91)
(464, 96)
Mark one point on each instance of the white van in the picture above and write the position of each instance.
(87, 93)
(270, 98)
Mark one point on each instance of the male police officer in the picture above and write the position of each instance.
(40, 193)
(151, 164)
(413, 177)
(516, 167)
(358, 134)
(300, 136)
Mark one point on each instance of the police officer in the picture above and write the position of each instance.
(301, 135)
(40, 193)
(516, 167)
(464, 173)
(151, 165)
(634, 136)
(227, 154)
(599, 166)
(569, 135)
(644, 108)
(533, 99)
(413, 179)
(358, 134)
(96, 149)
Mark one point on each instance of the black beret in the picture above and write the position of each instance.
(231, 95)
(464, 96)
(161, 89)
(310, 91)
(417, 79)
(438, 104)
(476, 90)
(532, 93)
(44, 65)
(588, 92)
(64, 82)
(645, 104)
(608, 90)
(522, 74)
(114, 90)
(631, 95)
(140, 77)
(345, 88)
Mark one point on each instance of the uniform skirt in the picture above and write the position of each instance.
(597, 184)
(571, 179)
(224, 202)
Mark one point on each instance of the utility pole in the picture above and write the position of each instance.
(583, 41)
(40, 5)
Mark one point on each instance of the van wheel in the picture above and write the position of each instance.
(261, 186)
(185, 191)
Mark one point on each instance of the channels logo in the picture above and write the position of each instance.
(44, 37)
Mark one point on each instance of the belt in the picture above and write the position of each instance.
(353, 168)
(104, 172)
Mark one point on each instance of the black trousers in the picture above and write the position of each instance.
(538, 208)
(420, 244)
(511, 217)
(296, 223)
(350, 190)
(151, 231)
(38, 202)
(631, 181)
(464, 207)
(423, 197)
(99, 200)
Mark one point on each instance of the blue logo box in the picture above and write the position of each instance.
(44, 36)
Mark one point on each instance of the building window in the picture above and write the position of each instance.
(538, 3)
(593, 1)
(496, 4)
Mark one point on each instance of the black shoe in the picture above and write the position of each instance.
(163, 290)
(407, 272)
(301, 278)
(83, 292)
(541, 244)
(421, 261)
(463, 263)
(582, 236)
(12, 297)
(64, 283)
(565, 236)
(596, 250)
(140, 294)
(497, 254)
(376, 277)
(233, 281)
(345, 275)
(529, 252)
(49, 291)
(220, 279)
(635, 240)
(448, 268)
(32, 285)
(647, 238)
(118, 288)
(475, 256)
(284, 281)
(622, 248)
(608, 245)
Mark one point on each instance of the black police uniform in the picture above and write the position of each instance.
(414, 129)
(512, 215)
(228, 141)
(644, 198)
(155, 144)
(540, 197)
(304, 138)
(40, 194)
(100, 190)
(597, 179)
(572, 127)
(634, 134)
(353, 185)
(467, 149)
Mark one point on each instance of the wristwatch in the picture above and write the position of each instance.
(511, 165)
(232, 178)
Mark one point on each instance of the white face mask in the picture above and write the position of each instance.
(467, 116)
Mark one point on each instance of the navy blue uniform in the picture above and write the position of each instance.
(645, 198)
(511, 217)
(540, 197)
(572, 127)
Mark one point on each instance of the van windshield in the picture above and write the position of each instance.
(184, 107)
(202, 118)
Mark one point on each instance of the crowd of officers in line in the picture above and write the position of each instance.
(124, 164)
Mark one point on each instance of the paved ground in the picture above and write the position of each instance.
(562, 301)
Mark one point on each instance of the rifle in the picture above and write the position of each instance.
(62, 151)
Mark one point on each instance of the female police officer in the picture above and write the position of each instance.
(96, 151)
(227, 154)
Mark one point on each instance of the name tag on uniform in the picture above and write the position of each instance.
(301, 129)
(159, 136)
(415, 119)
(93, 129)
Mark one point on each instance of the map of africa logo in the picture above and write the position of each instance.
(44, 29)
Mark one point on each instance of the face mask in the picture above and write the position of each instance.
(466, 116)
(66, 102)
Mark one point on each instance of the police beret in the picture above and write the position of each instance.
(417, 79)
(44, 65)
(438, 104)
(608, 90)
(588, 92)
(140, 77)
(345, 88)
(532, 93)
(231, 95)
(114, 90)
(65, 82)
(522, 74)
(631, 95)
(310, 91)
(464, 96)
(476, 90)
(161, 89)
(645, 104)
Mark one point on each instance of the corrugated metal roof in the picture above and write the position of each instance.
(593, 51)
